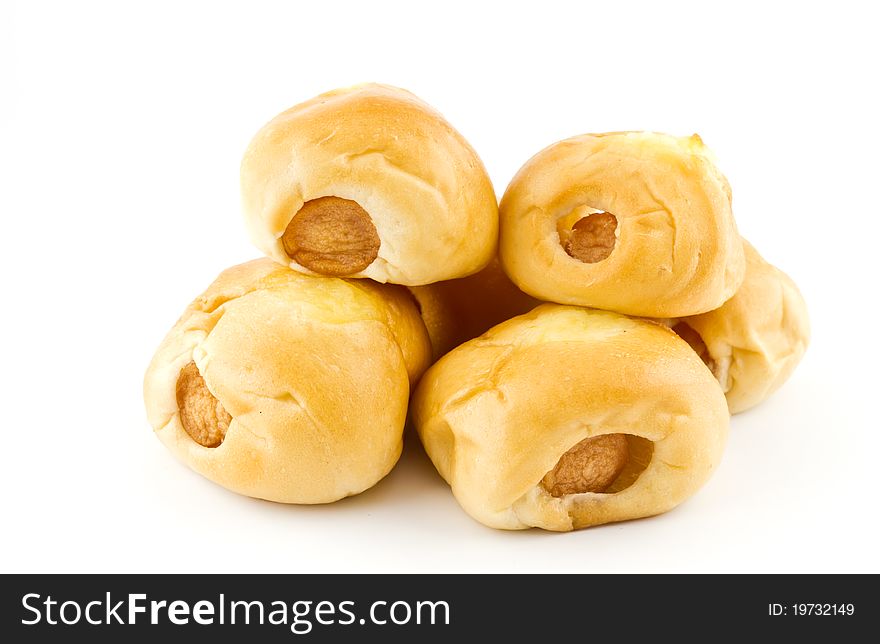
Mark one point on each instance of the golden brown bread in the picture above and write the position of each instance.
(369, 181)
(754, 341)
(456, 311)
(634, 222)
(288, 387)
(502, 413)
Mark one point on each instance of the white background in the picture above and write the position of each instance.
(122, 131)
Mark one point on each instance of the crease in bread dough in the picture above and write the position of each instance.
(208, 305)
(211, 305)
(784, 313)
(167, 422)
(203, 416)
(242, 426)
(328, 137)
(287, 396)
(722, 372)
(670, 219)
(421, 181)
(486, 384)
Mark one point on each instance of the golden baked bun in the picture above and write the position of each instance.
(754, 341)
(459, 310)
(634, 222)
(287, 387)
(369, 181)
(565, 417)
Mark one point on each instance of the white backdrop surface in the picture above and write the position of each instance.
(122, 129)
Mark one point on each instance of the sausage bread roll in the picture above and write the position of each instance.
(754, 341)
(369, 181)
(565, 417)
(634, 222)
(288, 387)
